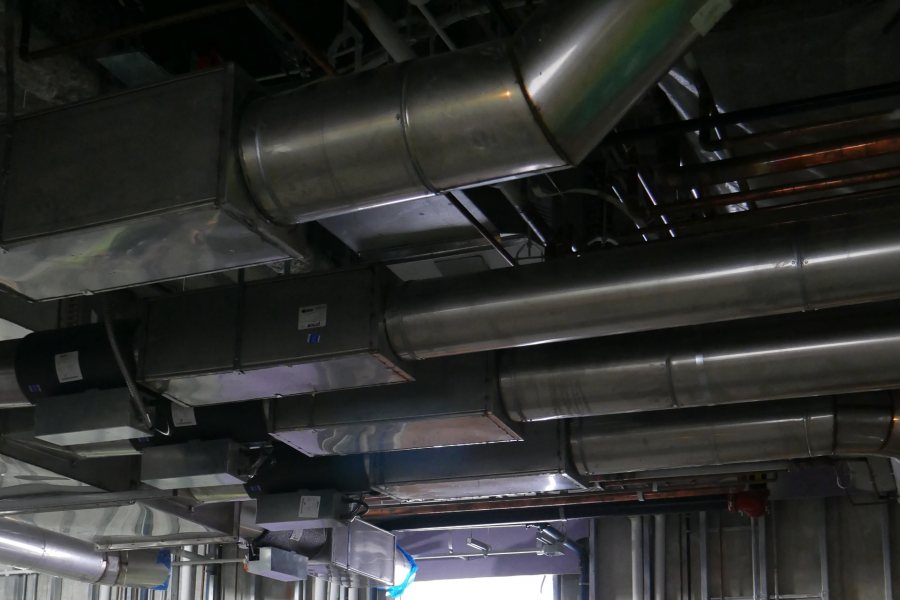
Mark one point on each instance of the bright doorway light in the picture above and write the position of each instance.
(526, 587)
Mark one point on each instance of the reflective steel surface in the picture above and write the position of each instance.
(391, 135)
(133, 188)
(453, 402)
(697, 437)
(30, 547)
(587, 62)
(850, 424)
(11, 395)
(239, 343)
(828, 352)
(404, 132)
(468, 121)
(654, 286)
(329, 148)
(538, 463)
(194, 464)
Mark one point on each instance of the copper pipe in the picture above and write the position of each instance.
(816, 128)
(404, 510)
(791, 159)
(751, 218)
(771, 193)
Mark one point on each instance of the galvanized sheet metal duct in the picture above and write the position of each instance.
(653, 286)
(29, 547)
(849, 350)
(860, 424)
(501, 110)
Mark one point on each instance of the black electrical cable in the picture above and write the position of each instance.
(133, 390)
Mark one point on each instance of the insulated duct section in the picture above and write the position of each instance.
(845, 425)
(653, 286)
(29, 547)
(537, 102)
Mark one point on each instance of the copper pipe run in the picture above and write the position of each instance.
(408, 510)
(774, 215)
(792, 159)
(772, 193)
(819, 128)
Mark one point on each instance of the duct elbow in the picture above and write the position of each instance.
(469, 117)
(577, 73)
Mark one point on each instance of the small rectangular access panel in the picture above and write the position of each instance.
(300, 510)
(90, 417)
(194, 464)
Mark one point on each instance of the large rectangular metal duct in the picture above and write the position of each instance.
(453, 402)
(540, 463)
(269, 338)
(130, 189)
(360, 555)
(652, 286)
(790, 356)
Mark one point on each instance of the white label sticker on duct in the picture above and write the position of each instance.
(183, 416)
(709, 14)
(67, 367)
(312, 316)
(309, 507)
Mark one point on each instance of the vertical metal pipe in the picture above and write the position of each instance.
(823, 550)
(704, 557)
(754, 560)
(659, 557)
(886, 551)
(318, 588)
(637, 558)
(647, 558)
(763, 562)
(185, 575)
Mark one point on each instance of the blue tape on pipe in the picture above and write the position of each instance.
(396, 591)
(164, 557)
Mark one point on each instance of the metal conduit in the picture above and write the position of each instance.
(839, 351)
(537, 102)
(651, 286)
(29, 547)
(862, 424)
